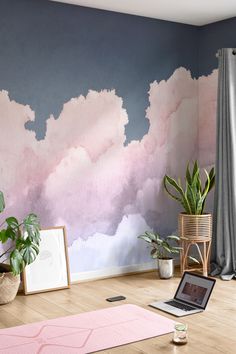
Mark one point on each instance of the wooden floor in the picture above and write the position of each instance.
(213, 331)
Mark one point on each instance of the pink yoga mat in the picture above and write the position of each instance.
(85, 333)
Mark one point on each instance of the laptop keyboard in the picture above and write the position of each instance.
(180, 305)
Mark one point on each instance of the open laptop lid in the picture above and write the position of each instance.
(195, 289)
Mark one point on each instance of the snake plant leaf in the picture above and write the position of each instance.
(212, 184)
(199, 206)
(195, 169)
(203, 197)
(207, 184)
(188, 175)
(182, 199)
(167, 179)
(174, 184)
(212, 180)
(191, 198)
(206, 189)
(198, 183)
(2, 202)
(197, 179)
(179, 182)
(185, 203)
(212, 173)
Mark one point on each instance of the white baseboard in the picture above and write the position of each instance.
(112, 272)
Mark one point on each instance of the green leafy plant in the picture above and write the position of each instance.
(193, 196)
(162, 248)
(24, 240)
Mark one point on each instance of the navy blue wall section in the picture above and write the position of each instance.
(51, 52)
(211, 38)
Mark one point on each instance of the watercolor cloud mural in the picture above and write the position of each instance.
(84, 176)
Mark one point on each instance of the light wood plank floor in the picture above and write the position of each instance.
(213, 331)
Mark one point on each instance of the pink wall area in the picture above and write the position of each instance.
(84, 176)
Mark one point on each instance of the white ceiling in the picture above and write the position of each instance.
(194, 12)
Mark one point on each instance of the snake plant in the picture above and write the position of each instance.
(24, 239)
(193, 196)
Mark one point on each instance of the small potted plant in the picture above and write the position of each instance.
(162, 250)
(21, 247)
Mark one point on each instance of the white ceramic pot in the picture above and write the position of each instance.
(166, 268)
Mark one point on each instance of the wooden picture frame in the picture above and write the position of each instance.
(50, 271)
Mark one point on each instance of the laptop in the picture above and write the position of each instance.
(191, 296)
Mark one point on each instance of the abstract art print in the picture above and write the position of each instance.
(50, 271)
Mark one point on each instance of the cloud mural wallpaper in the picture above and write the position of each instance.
(82, 175)
(88, 172)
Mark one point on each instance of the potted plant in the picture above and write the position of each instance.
(193, 222)
(162, 250)
(21, 241)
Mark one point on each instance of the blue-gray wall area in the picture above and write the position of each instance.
(51, 52)
(212, 37)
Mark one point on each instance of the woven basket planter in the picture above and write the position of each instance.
(9, 285)
(197, 227)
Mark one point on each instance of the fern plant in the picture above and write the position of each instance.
(193, 196)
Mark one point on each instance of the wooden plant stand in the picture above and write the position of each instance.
(195, 230)
(204, 254)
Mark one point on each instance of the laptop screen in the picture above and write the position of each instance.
(195, 289)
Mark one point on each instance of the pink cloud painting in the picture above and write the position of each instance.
(82, 174)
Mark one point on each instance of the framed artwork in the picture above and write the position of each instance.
(50, 270)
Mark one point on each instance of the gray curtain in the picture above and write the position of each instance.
(224, 221)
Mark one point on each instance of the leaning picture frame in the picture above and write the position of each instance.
(50, 271)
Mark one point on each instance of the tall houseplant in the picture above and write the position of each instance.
(193, 196)
(194, 224)
(22, 247)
